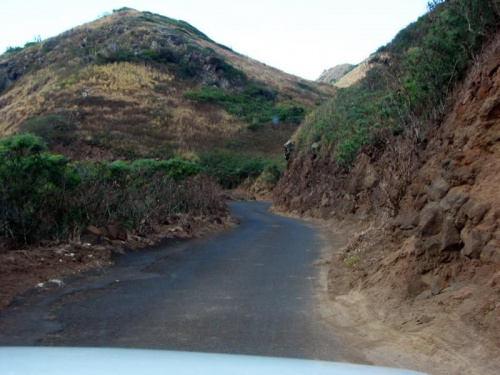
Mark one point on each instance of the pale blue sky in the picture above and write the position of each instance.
(301, 37)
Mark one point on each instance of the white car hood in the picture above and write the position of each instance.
(94, 361)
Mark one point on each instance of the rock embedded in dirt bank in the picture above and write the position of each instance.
(473, 243)
(477, 213)
(491, 252)
(408, 220)
(450, 236)
(431, 220)
(437, 189)
(455, 199)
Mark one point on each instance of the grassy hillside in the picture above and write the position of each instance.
(407, 84)
(136, 84)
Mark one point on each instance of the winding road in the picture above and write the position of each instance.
(250, 290)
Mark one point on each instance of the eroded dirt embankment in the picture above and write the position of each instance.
(419, 269)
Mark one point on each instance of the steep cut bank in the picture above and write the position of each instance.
(421, 213)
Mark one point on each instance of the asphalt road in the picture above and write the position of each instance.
(250, 290)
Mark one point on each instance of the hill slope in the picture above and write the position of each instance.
(117, 87)
(409, 157)
(332, 75)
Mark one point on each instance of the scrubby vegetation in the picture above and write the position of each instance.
(256, 104)
(231, 168)
(43, 196)
(423, 64)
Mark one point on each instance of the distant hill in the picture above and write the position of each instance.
(346, 75)
(332, 75)
(358, 72)
(137, 84)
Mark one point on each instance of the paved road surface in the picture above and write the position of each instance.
(247, 291)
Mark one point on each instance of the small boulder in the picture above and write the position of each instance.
(473, 244)
(443, 203)
(431, 220)
(456, 198)
(491, 252)
(437, 189)
(92, 231)
(450, 237)
(420, 202)
(415, 189)
(408, 220)
(289, 148)
(116, 232)
(113, 230)
(437, 285)
(433, 245)
(478, 212)
(463, 214)
(315, 147)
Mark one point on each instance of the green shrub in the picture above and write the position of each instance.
(272, 173)
(119, 56)
(179, 169)
(149, 54)
(231, 169)
(256, 104)
(227, 70)
(42, 196)
(351, 261)
(33, 184)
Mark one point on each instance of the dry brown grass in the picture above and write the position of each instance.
(121, 101)
(138, 109)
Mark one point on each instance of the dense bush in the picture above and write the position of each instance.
(232, 169)
(42, 196)
(33, 187)
(176, 169)
(227, 70)
(413, 76)
(272, 173)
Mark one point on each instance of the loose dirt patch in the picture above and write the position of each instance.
(366, 301)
